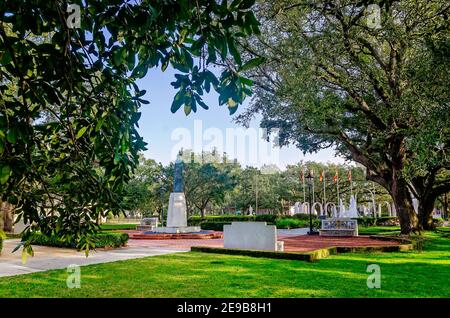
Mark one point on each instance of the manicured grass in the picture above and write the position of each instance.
(375, 230)
(406, 274)
(111, 226)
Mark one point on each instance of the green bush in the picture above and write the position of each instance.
(382, 221)
(269, 218)
(290, 223)
(100, 239)
(438, 222)
(213, 226)
(216, 222)
(2, 238)
(304, 216)
(197, 220)
(293, 223)
(114, 227)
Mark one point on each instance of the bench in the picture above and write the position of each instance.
(339, 227)
(148, 224)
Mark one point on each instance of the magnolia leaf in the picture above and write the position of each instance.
(81, 132)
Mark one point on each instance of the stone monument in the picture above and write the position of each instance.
(177, 215)
(252, 236)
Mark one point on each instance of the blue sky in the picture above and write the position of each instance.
(158, 124)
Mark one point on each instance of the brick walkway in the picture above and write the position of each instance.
(301, 243)
(305, 243)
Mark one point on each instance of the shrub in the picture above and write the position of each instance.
(290, 223)
(197, 220)
(100, 239)
(438, 222)
(2, 238)
(216, 222)
(213, 226)
(114, 227)
(382, 221)
(269, 218)
(304, 216)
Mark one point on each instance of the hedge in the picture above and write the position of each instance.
(281, 221)
(381, 221)
(115, 227)
(213, 226)
(101, 240)
(2, 238)
(197, 220)
(293, 223)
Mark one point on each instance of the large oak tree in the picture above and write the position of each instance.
(377, 93)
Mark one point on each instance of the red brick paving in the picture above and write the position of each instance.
(305, 243)
(301, 243)
(140, 235)
(184, 244)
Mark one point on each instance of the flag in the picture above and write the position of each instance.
(321, 176)
(335, 178)
(350, 175)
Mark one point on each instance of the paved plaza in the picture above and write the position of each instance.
(46, 258)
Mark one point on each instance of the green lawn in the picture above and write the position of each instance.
(406, 274)
(374, 230)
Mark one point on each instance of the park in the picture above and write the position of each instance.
(323, 170)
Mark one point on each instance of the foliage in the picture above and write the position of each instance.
(291, 223)
(196, 220)
(380, 221)
(99, 240)
(331, 80)
(2, 238)
(269, 218)
(115, 227)
(69, 100)
(206, 183)
(148, 190)
(223, 187)
(280, 190)
(213, 225)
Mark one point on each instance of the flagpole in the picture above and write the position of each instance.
(324, 192)
(337, 187)
(351, 182)
(312, 174)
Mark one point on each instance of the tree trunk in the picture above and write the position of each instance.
(426, 206)
(203, 212)
(445, 206)
(403, 204)
(7, 215)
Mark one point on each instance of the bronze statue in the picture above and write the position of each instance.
(178, 185)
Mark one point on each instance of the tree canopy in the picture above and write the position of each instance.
(69, 105)
(334, 80)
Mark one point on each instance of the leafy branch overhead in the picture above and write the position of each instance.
(69, 106)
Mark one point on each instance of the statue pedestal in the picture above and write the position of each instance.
(177, 216)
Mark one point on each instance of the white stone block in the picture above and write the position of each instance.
(250, 236)
(176, 215)
(177, 230)
(280, 246)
